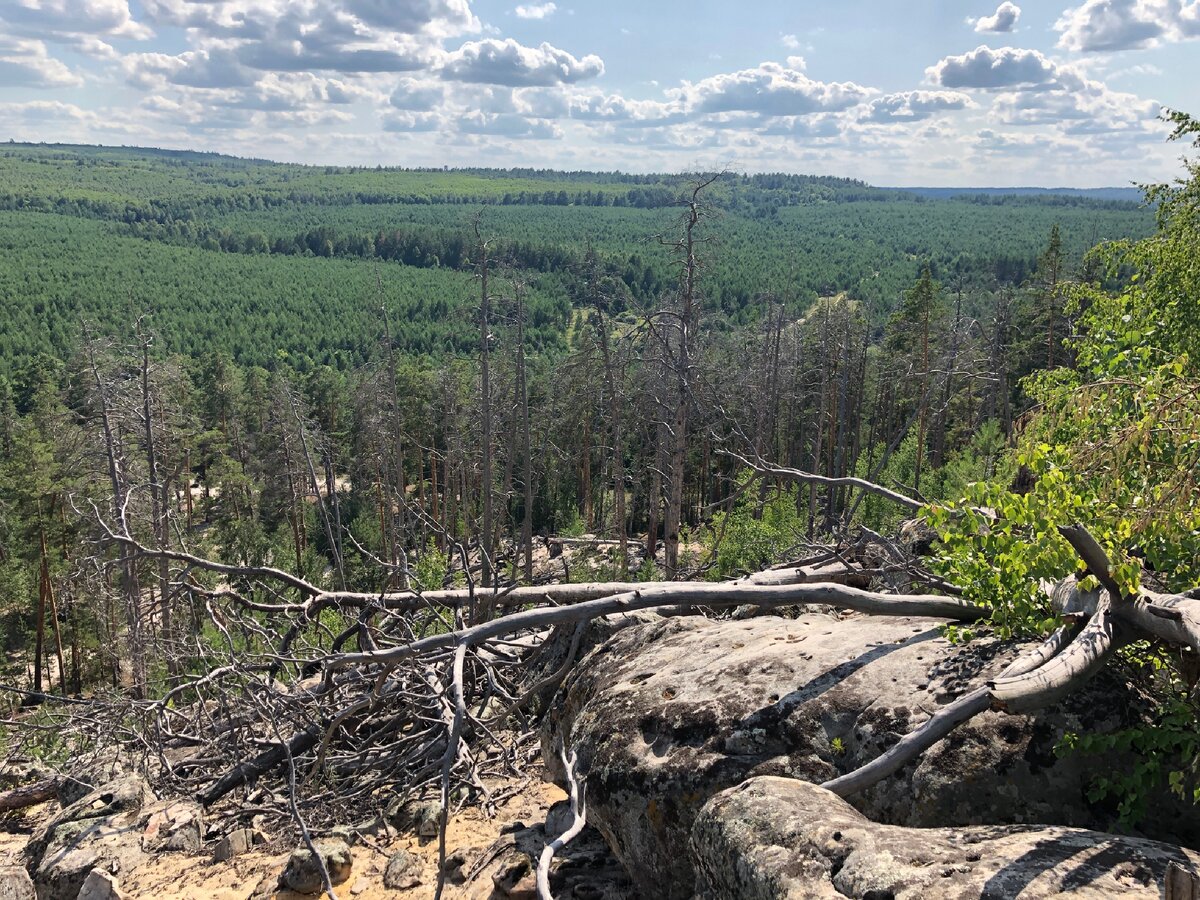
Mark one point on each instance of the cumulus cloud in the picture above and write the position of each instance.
(62, 19)
(1002, 21)
(344, 36)
(913, 106)
(535, 11)
(406, 122)
(1108, 25)
(26, 63)
(508, 62)
(508, 125)
(770, 89)
(990, 69)
(417, 96)
(217, 68)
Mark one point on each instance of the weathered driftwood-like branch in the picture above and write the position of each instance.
(1047, 684)
(785, 473)
(942, 723)
(578, 821)
(1060, 665)
(652, 595)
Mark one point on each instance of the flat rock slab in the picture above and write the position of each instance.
(665, 715)
(782, 839)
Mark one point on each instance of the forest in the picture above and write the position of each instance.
(261, 421)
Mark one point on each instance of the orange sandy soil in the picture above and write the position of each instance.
(175, 876)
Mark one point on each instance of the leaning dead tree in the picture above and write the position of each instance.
(317, 702)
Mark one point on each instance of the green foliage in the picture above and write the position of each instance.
(755, 534)
(270, 262)
(1115, 444)
(430, 568)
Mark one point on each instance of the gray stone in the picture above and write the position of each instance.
(100, 886)
(173, 825)
(237, 842)
(403, 871)
(514, 876)
(783, 839)
(15, 884)
(102, 830)
(302, 873)
(419, 817)
(667, 714)
(106, 766)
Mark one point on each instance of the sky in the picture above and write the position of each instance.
(901, 93)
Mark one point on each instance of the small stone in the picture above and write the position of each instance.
(361, 886)
(510, 876)
(455, 867)
(100, 886)
(402, 871)
(302, 873)
(234, 844)
(421, 818)
(15, 884)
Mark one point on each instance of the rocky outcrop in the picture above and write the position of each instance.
(664, 715)
(113, 829)
(303, 872)
(15, 884)
(778, 839)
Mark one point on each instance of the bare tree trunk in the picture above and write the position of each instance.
(129, 581)
(485, 407)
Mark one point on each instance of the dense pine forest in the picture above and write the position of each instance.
(235, 382)
(320, 368)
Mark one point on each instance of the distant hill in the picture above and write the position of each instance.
(1127, 194)
(270, 261)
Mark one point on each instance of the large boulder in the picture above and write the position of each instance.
(779, 838)
(114, 828)
(666, 714)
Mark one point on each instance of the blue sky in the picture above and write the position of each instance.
(899, 93)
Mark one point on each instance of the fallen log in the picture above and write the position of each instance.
(29, 795)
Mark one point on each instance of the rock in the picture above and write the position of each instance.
(419, 817)
(345, 834)
(104, 768)
(235, 843)
(403, 871)
(100, 886)
(302, 873)
(776, 838)
(15, 884)
(513, 877)
(665, 715)
(917, 536)
(455, 866)
(173, 825)
(102, 830)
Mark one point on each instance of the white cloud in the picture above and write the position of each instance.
(990, 69)
(1002, 21)
(510, 63)
(508, 125)
(1109, 25)
(535, 11)
(770, 89)
(61, 19)
(913, 106)
(790, 41)
(26, 63)
(417, 96)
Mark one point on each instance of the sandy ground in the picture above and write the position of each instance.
(176, 876)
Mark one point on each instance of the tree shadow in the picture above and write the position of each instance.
(1019, 873)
